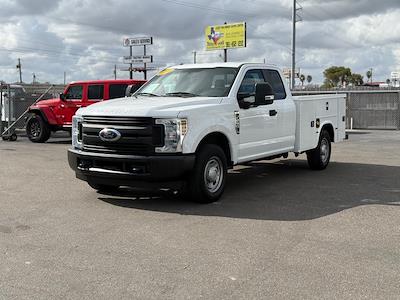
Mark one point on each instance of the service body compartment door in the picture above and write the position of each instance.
(341, 121)
(317, 110)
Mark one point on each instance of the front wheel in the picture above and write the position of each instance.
(37, 129)
(318, 158)
(207, 181)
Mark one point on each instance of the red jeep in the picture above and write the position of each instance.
(56, 114)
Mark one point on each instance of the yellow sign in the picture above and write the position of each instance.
(226, 36)
(165, 71)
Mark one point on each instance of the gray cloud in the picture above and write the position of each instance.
(84, 38)
(26, 7)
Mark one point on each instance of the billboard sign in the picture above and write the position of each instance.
(225, 36)
(127, 42)
(138, 59)
(288, 71)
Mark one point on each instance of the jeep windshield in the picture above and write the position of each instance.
(185, 83)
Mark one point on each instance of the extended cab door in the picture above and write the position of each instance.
(263, 131)
(285, 112)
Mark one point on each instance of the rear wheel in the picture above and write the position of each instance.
(207, 181)
(37, 129)
(318, 158)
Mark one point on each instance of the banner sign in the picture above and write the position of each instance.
(137, 41)
(138, 59)
(226, 36)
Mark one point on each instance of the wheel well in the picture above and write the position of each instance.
(220, 140)
(329, 129)
(40, 113)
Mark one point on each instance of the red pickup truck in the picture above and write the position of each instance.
(52, 115)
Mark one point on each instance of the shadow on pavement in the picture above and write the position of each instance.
(60, 141)
(285, 191)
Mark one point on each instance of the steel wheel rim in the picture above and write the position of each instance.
(213, 174)
(324, 149)
(35, 129)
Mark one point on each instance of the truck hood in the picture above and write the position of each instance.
(147, 106)
(48, 102)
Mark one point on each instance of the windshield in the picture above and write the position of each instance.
(213, 82)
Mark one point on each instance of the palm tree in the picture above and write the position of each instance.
(369, 75)
(309, 79)
(302, 79)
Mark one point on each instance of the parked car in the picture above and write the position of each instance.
(52, 115)
(191, 123)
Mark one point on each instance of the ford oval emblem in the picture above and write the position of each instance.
(109, 135)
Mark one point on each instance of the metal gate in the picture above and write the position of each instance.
(374, 109)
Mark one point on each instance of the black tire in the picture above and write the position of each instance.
(37, 129)
(318, 158)
(102, 187)
(207, 180)
(13, 137)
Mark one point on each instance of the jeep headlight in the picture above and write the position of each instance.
(174, 133)
(77, 132)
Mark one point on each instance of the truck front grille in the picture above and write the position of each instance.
(139, 136)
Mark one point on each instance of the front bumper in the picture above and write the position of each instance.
(130, 170)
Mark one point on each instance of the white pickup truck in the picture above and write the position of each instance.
(191, 123)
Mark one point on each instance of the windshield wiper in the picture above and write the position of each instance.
(182, 94)
(148, 94)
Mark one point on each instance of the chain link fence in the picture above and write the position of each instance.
(15, 100)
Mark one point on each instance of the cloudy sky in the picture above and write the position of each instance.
(84, 37)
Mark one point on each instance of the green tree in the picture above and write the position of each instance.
(336, 75)
(356, 79)
(309, 79)
(302, 79)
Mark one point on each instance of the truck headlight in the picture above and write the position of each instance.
(77, 132)
(175, 131)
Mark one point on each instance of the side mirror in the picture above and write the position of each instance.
(128, 92)
(245, 100)
(264, 94)
(62, 97)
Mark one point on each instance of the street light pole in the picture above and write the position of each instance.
(293, 80)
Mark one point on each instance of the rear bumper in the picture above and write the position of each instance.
(130, 170)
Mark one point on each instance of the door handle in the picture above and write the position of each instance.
(273, 112)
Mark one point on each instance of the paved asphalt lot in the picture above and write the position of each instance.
(281, 231)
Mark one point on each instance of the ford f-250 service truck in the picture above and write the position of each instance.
(191, 123)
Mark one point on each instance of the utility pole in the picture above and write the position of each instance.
(145, 65)
(65, 77)
(295, 19)
(33, 78)
(225, 53)
(20, 70)
(194, 57)
(115, 71)
(371, 75)
(131, 65)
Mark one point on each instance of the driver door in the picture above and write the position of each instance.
(73, 101)
(257, 124)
